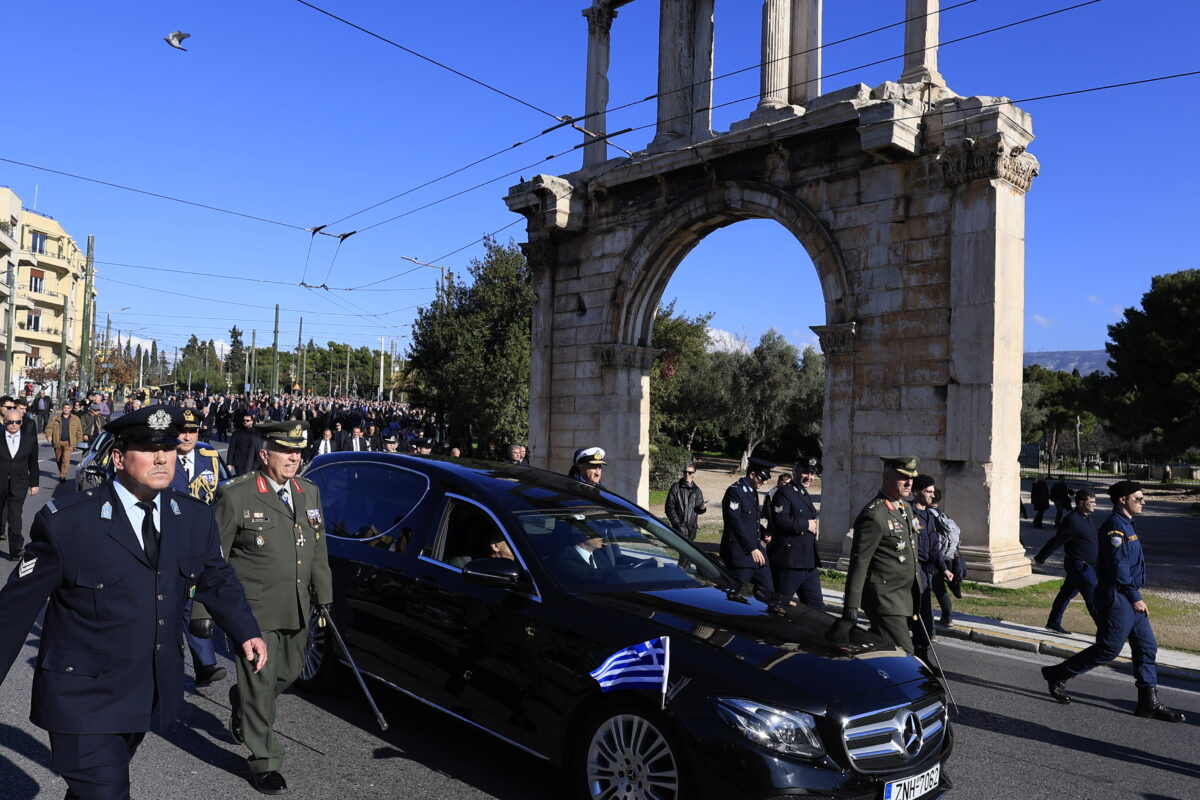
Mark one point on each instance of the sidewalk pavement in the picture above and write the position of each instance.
(1014, 635)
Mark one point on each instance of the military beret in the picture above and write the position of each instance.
(905, 465)
(590, 457)
(1123, 489)
(922, 482)
(190, 420)
(284, 434)
(152, 426)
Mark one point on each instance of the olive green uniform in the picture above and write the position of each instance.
(279, 555)
(882, 579)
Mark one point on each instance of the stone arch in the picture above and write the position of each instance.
(652, 259)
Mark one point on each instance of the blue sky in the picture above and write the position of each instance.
(280, 112)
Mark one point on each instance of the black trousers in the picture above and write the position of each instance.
(806, 581)
(94, 765)
(10, 520)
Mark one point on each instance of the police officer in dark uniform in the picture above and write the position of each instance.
(197, 475)
(1123, 615)
(117, 563)
(882, 579)
(1077, 535)
(793, 549)
(741, 540)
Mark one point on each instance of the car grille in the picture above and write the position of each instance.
(891, 738)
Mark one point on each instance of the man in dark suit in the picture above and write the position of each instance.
(18, 477)
(356, 442)
(243, 446)
(116, 564)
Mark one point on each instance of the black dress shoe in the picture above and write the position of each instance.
(1057, 628)
(207, 676)
(235, 717)
(268, 782)
(1056, 686)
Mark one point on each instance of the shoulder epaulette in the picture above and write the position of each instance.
(177, 494)
(245, 476)
(207, 453)
(67, 501)
(871, 506)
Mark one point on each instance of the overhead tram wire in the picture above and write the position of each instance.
(248, 279)
(1002, 102)
(729, 103)
(633, 103)
(433, 61)
(158, 195)
(231, 302)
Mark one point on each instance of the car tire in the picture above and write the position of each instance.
(319, 672)
(628, 752)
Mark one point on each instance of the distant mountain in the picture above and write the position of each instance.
(1086, 361)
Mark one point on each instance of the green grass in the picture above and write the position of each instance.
(658, 497)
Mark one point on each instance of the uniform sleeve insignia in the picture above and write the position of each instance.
(1116, 540)
(174, 507)
(779, 509)
(733, 505)
(26, 567)
(106, 511)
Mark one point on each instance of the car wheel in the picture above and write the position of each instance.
(319, 672)
(628, 753)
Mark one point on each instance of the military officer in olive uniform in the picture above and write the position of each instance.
(272, 532)
(882, 579)
(741, 539)
(795, 564)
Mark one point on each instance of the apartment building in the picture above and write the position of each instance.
(49, 296)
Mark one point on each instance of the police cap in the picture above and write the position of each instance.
(285, 434)
(808, 464)
(760, 466)
(189, 420)
(905, 465)
(152, 426)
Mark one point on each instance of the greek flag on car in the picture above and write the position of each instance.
(642, 666)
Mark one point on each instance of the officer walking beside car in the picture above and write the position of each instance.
(741, 540)
(1077, 535)
(273, 533)
(793, 549)
(882, 579)
(1122, 614)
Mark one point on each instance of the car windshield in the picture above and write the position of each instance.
(597, 550)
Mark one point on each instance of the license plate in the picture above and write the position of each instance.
(916, 786)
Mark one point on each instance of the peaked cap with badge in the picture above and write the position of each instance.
(590, 457)
(289, 433)
(150, 426)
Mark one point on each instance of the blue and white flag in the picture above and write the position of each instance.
(642, 666)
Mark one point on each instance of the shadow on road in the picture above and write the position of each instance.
(194, 732)
(17, 785)
(1055, 737)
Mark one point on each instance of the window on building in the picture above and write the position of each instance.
(34, 358)
(37, 280)
(37, 242)
(34, 321)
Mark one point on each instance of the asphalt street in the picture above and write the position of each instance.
(1012, 741)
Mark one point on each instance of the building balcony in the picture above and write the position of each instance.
(46, 299)
(54, 262)
(45, 336)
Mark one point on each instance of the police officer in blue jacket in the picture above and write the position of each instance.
(741, 548)
(117, 563)
(1122, 614)
(1077, 535)
(795, 565)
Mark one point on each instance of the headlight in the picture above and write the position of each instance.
(792, 733)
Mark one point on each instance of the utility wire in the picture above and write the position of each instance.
(154, 194)
(584, 117)
(728, 103)
(231, 302)
(248, 279)
(433, 61)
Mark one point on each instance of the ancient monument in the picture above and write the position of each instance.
(910, 201)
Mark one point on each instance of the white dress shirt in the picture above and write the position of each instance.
(14, 442)
(134, 514)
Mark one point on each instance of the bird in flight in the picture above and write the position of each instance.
(175, 38)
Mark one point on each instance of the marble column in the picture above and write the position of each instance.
(600, 18)
(805, 67)
(776, 41)
(702, 69)
(675, 48)
(921, 42)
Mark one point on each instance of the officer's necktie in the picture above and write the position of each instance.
(150, 540)
(283, 495)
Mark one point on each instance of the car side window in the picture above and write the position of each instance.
(466, 533)
(364, 500)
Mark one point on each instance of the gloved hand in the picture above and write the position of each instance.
(201, 628)
(839, 632)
